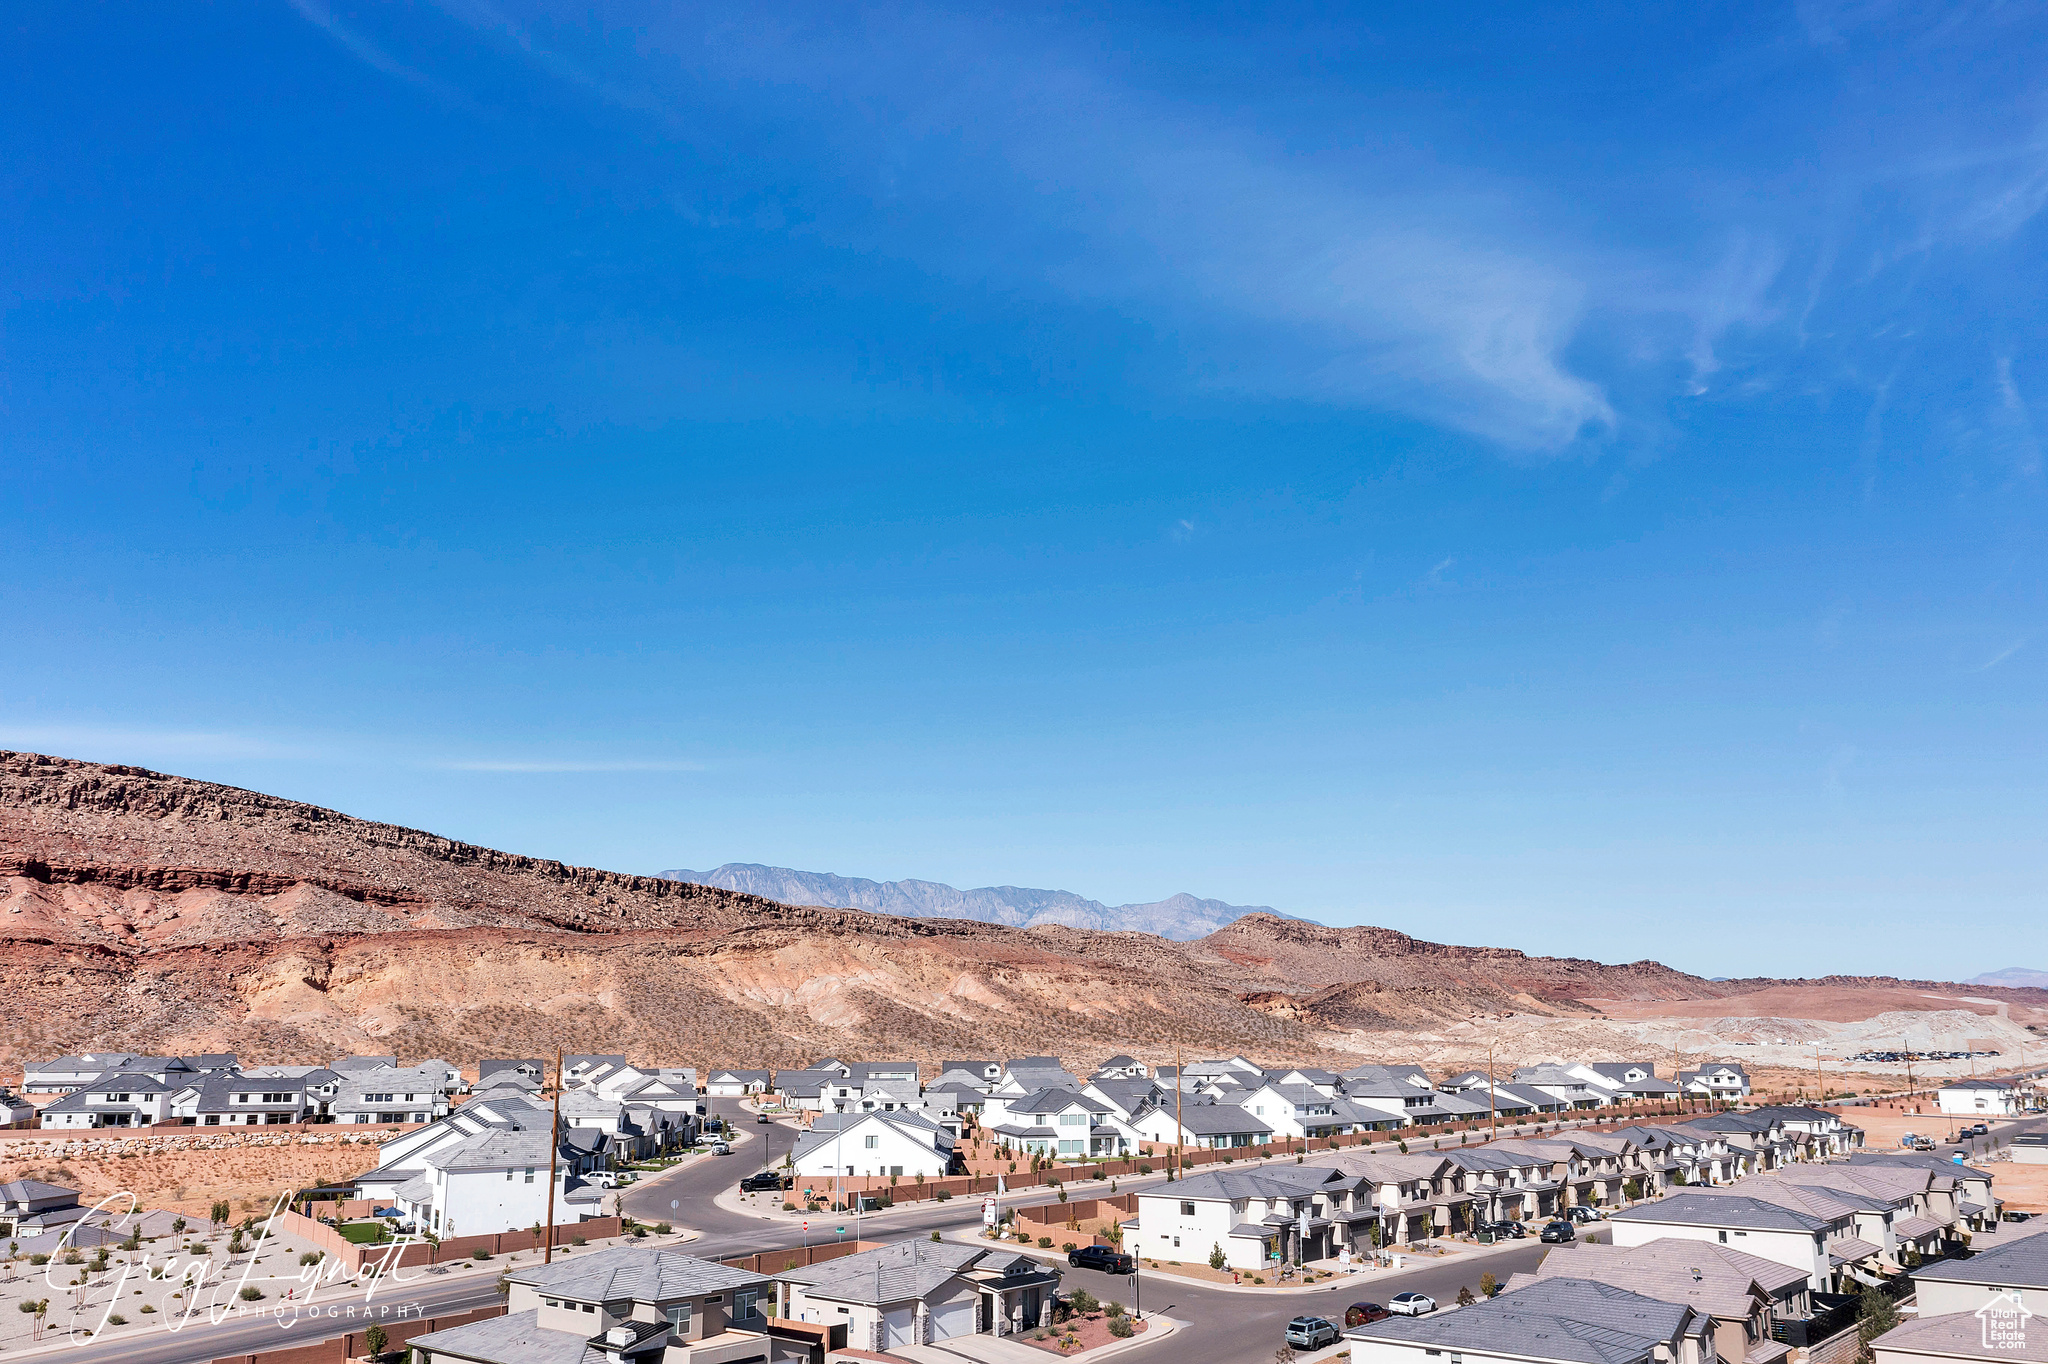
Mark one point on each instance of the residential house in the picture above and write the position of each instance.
(1999, 1330)
(505, 1109)
(873, 1144)
(1625, 1081)
(68, 1074)
(118, 1099)
(320, 1083)
(15, 1111)
(1200, 1123)
(584, 1071)
(29, 1207)
(982, 1075)
(1814, 1244)
(622, 1306)
(1958, 1194)
(920, 1293)
(1716, 1080)
(1414, 1197)
(1059, 1123)
(390, 1094)
(1551, 1321)
(498, 1181)
(734, 1084)
(1566, 1085)
(1299, 1110)
(1747, 1296)
(352, 1066)
(1028, 1074)
(1121, 1067)
(1255, 1217)
(525, 1068)
(2018, 1269)
(233, 1100)
(1979, 1099)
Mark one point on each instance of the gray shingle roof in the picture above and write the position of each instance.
(1574, 1320)
(515, 1339)
(2023, 1264)
(1721, 1210)
(908, 1269)
(631, 1272)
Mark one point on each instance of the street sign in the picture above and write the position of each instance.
(673, 1205)
(988, 1212)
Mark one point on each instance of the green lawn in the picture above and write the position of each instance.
(364, 1233)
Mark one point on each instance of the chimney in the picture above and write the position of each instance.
(619, 1337)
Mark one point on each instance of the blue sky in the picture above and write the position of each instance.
(1568, 480)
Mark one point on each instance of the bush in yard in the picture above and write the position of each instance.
(479, 1254)
(376, 1339)
(1216, 1260)
(1068, 1246)
(1258, 1278)
(943, 1196)
(1121, 1327)
(935, 1236)
(312, 1257)
(1115, 1310)
(147, 1308)
(1083, 1301)
(788, 1206)
(39, 1259)
(663, 1229)
(1489, 1285)
(251, 1293)
(116, 1319)
(1465, 1296)
(579, 1241)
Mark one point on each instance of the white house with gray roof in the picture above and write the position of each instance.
(621, 1306)
(1057, 1122)
(2018, 1268)
(235, 1100)
(496, 1181)
(118, 1099)
(390, 1094)
(1790, 1236)
(919, 1293)
(1979, 1099)
(873, 1144)
(1200, 1123)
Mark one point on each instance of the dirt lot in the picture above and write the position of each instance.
(2022, 1187)
(189, 1181)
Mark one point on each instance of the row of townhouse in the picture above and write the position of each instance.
(1035, 1107)
(215, 1091)
(1389, 1199)
(1752, 1272)
(647, 1306)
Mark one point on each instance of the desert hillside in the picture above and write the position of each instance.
(155, 911)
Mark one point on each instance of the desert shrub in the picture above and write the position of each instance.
(1068, 1246)
(479, 1254)
(1045, 1243)
(251, 1293)
(1121, 1328)
(663, 1229)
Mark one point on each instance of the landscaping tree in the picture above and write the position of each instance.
(375, 1339)
(1216, 1260)
(1465, 1296)
(1488, 1284)
(1875, 1314)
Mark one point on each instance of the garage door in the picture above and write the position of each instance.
(899, 1328)
(954, 1319)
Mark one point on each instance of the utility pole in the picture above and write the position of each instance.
(1492, 1103)
(1180, 1082)
(1819, 1082)
(554, 1152)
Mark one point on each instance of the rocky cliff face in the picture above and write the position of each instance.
(156, 912)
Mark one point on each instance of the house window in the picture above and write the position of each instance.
(870, 1142)
(744, 1304)
(1187, 1208)
(1724, 1237)
(679, 1320)
(1073, 1120)
(213, 1120)
(529, 1174)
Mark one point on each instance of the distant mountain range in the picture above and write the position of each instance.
(1179, 917)
(2013, 978)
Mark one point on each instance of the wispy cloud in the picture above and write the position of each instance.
(117, 744)
(321, 16)
(2012, 423)
(2002, 655)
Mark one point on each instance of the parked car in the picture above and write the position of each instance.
(721, 1148)
(1312, 1333)
(1108, 1259)
(1411, 1304)
(1514, 1230)
(1977, 1130)
(1359, 1313)
(1583, 1214)
(1558, 1231)
(766, 1181)
(762, 1117)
